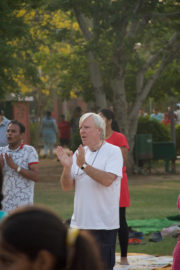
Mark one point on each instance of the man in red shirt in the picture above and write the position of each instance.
(64, 131)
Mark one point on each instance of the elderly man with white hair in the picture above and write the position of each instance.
(95, 171)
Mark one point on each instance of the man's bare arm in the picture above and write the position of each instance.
(102, 177)
(31, 174)
(66, 180)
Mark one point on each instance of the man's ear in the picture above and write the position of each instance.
(100, 130)
(44, 261)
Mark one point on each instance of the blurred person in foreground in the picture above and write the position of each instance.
(3, 128)
(34, 238)
(20, 168)
(94, 171)
(118, 139)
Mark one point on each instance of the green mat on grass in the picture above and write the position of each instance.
(152, 225)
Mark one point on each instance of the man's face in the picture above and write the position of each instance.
(90, 134)
(13, 134)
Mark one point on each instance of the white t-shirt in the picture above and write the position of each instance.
(96, 206)
(17, 190)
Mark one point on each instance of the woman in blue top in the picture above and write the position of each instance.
(48, 132)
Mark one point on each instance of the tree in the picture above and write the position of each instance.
(45, 56)
(167, 85)
(12, 28)
(128, 44)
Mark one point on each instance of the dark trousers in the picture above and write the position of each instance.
(106, 240)
(123, 232)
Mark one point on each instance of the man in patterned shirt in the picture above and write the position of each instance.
(20, 168)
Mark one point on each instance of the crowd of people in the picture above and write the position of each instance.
(34, 237)
(165, 117)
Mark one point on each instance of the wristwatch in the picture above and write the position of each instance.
(18, 169)
(84, 166)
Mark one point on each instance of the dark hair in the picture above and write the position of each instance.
(110, 116)
(48, 114)
(1, 185)
(21, 126)
(32, 229)
(78, 109)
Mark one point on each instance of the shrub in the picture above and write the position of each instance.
(34, 134)
(160, 132)
(75, 140)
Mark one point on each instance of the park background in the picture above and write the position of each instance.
(123, 54)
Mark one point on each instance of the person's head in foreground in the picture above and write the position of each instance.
(34, 238)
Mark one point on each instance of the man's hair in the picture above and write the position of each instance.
(21, 126)
(98, 120)
(78, 109)
(48, 114)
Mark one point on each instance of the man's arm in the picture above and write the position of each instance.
(66, 180)
(31, 173)
(102, 177)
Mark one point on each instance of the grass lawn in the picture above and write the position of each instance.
(150, 198)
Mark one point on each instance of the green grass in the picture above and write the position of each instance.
(153, 200)
(51, 195)
(149, 199)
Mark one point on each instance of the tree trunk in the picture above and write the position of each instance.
(96, 79)
(119, 103)
(127, 127)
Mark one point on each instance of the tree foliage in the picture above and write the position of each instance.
(109, 51)
(128, 44)
(11, 28)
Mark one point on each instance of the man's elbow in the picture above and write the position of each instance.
(65, 188)
(109, 181)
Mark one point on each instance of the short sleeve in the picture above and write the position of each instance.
(33, 156)
(114, 163)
